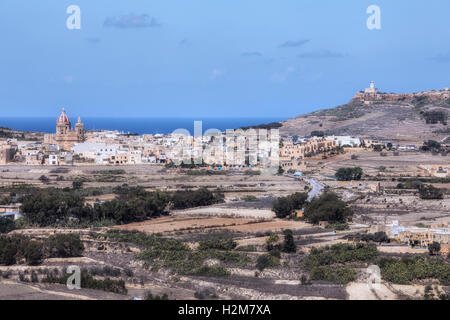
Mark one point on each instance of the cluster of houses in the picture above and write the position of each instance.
(420, 236)
(294, 150)
(68, 147)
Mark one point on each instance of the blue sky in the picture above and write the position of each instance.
(207, 58)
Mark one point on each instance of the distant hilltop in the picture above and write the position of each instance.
(372, 94)
(405, 117)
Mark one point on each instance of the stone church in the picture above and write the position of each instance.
(66, 137)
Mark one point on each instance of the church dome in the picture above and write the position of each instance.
(63, 117)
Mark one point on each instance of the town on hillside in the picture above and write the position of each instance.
(260, 213)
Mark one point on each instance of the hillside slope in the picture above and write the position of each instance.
(398, 117)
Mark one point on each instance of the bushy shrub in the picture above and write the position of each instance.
(341, 275)
(428, 192)
(6, 225)
(33, 253)
(289, 244)
(434, 248)
(8, 251)
(211, 271)
(64, 246)
(267, 261)
(271, 242)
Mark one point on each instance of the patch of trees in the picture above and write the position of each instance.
(431, 145)
(435, 116)
(63, 246)
(339, 274)
(288, 243)
(135, 205)
(195, 198)
(22, 249)
(378, 237)
(327, 207)
(377, 148)
(267, 261)
(52, 206)
(285, 206)
(177, 256)
(434, 248)
(349, 174)
(49, 206)
(275, 247)
(211, 271)
(340, 254)
(328, 263)
(89, 282)
(6, 225)
(408, 269)
(428, 192)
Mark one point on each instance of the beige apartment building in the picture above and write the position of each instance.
(126, 158)
(300, 150)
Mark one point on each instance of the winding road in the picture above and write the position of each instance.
(317, 188)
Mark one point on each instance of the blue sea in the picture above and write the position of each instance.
(135, 125)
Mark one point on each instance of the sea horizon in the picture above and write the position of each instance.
(136, 125)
